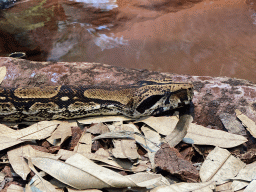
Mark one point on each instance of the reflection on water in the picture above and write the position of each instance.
(109, 42)
(210, 37)
(100, 4)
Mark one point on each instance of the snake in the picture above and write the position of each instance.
(142, 98)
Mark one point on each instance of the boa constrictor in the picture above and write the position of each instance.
(70, 102)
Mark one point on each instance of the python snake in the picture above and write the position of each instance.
(71, 102)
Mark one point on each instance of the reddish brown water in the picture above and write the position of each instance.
(210, 37)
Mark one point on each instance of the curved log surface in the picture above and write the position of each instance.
(213, 95)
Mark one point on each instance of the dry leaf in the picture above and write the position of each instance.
(231, 123)
(139, 138)
(100, 119)
(27, 188)
(18, 163)
(250, 124)
(15, 188)
(37, 183)
(163, 125)
(220, 166)
(125, 148)
(200, 135)
(153, 139)
(86, 190)
(6, 142)
(133, 189)
(2, 176)
(179, 131)
(2, 73)
(65, 154)
(5, 130)
(99, 177)
(116, 135)
(84, 144)
(102, 152)
(60, 135)
(37, 131)
(109, 178)
(16, 158)
(185, 187)
(153, 142)
(2, 180)
(251, 187)
(149, 180)
(245, 176)
(57, 184)
(99, 128)
(81, 173)
(225, 187)
(69, 174)
(108, 161)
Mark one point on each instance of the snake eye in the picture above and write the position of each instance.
(148, 103)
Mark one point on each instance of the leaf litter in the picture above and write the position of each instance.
(116, 153)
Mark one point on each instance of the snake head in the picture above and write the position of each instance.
(154, 98)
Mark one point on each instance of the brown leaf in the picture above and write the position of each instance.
(250, 124)
(99, 119)
(19, 164)
(185, 187)
(220, 166)
(225, 187)
(99, 128)
(244, 176)
(84, 144)
(169, 159)
(2, 73)
(231, 123)
(37, 182)
(163, 125)
(148, 180)
(81, 173)
(116, 135)
(200, 135)
(6, 142)
(125, 148)
(153, 142)
(37, 131)
(86, 190)
(108, 161)
(5, 130)
(15, 188)
(60, 135)
(251, 187)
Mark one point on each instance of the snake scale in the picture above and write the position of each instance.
(71, 102)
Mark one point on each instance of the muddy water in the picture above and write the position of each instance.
(210, 37)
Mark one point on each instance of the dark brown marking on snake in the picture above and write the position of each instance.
(69, 102)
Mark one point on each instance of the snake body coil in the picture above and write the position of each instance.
(72, 102)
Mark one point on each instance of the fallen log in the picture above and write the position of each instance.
(212, 96)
